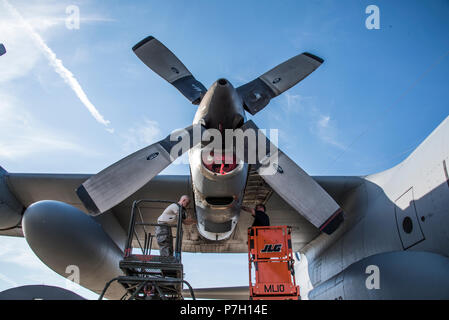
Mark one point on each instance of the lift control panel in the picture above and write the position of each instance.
(271, 264)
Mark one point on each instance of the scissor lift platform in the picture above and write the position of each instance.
(147, 276)
(270, 252)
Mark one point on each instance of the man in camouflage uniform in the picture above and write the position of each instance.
(167, 219)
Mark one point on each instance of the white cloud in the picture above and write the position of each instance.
(141, 135)
(29, 269)
(56, 63)
(22, 135)
(22, 55)
(324, 122)
(327, 132)
(8, 280)
(321, 124)
(18, 253)
(295, 103)
(42, 15)
(149, 132)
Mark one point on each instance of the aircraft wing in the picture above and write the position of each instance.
(30, 188)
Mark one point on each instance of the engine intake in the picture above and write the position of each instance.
(219, 201)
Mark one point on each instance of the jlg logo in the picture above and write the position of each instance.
(272, 248)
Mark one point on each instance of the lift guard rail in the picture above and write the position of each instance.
(147, 275)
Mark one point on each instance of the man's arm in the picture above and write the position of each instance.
(188, 220)
(250, 210)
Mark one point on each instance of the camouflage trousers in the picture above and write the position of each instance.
(164, 240)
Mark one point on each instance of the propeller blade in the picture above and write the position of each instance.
(162, 61)
(294, 185)
(2, 49)
(114, 184)
(258, 93)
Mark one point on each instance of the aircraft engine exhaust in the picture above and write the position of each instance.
(62, 236)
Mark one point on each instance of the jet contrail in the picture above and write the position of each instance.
(56, 63)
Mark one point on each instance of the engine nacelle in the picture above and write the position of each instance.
(218, 196)
(62, 236)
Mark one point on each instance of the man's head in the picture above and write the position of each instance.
(260, 207)
(184, 201)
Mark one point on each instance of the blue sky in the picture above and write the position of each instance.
(378, 94)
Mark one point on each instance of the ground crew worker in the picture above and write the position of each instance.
(170, 218)
(261, 219)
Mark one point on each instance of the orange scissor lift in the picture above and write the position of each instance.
(270, 252)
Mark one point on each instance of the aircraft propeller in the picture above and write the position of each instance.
(293, 184)
(258, 93)
(162, 61)
(117, 182)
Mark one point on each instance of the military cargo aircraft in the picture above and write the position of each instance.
(343, 227)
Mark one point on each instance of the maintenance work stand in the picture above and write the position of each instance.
(147, 276)
(270, 252)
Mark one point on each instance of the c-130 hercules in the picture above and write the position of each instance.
(396, 221)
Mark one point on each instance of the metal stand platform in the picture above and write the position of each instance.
(150, 277)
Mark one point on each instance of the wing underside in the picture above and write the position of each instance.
(30, 188)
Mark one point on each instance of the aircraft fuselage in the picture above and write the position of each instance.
(394, 243)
